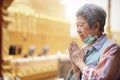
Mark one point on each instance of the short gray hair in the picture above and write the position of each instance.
(93, 13)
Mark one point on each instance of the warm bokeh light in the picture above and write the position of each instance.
(71, 6)
(36, 34)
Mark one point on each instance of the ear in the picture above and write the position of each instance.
(96, 27)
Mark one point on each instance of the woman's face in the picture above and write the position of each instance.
(83, 28)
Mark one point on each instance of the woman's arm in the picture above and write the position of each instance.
(73, 76)
(108, 67)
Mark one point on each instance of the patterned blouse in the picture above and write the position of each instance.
(102, 60)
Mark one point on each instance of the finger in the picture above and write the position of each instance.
(69, 50)
(75, 59)
(72, 57)
(71, 46)
(82, 53)
(76, 46)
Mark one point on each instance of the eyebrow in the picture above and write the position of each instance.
(80, 23)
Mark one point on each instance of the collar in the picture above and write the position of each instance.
(99, 43)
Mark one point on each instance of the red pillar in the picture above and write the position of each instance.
(1, 59)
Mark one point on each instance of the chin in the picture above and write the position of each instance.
(82, 38)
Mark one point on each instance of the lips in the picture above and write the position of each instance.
(82, 37)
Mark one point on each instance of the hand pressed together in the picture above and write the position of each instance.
(76, 55)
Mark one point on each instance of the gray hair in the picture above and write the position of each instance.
(93, 13)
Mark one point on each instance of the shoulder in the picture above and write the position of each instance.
(112, 44)
(112, 47)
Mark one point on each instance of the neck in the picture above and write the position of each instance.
(99, 34)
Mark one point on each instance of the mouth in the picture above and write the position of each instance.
(81, 36)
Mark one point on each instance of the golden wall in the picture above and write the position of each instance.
(37, 25)
(39, 31)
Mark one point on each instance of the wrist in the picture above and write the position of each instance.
(81, 66)
(75, 68)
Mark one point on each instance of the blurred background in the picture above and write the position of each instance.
(35, 35)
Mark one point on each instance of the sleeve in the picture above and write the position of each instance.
(103, 69)
(71, 76)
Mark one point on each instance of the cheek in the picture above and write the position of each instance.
(86, 32)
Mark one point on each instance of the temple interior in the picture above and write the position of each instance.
(34, 38)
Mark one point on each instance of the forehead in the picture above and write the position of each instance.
(81, 19)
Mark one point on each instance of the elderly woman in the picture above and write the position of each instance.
(99, 59)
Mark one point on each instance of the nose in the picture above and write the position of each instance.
(79, 30)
